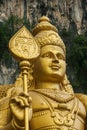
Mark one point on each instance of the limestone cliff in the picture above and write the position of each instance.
(64, 13)
(68, 14)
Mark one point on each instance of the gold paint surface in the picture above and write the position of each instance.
(49, 96)
(23, 46)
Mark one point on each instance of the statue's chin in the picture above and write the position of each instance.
(52, 78)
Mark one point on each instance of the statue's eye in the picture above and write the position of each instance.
(60, 57)
(46, 55)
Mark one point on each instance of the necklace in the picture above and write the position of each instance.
(59, 96)
(63, 121)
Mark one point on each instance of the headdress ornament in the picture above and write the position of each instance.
(47, 34)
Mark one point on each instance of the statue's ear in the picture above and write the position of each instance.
(82, 98)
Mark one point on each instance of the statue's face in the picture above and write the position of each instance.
(51, 65)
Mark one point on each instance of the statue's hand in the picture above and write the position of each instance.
(18, 105)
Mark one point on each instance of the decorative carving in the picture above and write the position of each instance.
(23, 46)
(46, 34)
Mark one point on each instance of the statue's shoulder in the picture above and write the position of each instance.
(82, 98)
(36, 97)
(38, 101)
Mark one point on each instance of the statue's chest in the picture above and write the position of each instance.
(60, 110)
(52, 100)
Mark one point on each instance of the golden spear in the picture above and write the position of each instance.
(24, 48)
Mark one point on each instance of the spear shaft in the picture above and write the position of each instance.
(25, 67)
(26, 108)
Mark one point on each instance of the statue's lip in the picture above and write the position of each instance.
(55, 66)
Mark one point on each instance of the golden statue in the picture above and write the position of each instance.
(42, 97)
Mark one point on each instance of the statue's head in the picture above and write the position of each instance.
(51, 64)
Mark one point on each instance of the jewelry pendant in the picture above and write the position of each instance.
(57, 118)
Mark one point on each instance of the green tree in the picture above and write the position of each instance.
(77, 59)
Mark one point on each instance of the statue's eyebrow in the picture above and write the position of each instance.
(61, 54)
(49, 52)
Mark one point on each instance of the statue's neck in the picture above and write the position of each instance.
(47, 85)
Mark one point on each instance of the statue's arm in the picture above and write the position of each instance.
(15, 105)
(83, 99)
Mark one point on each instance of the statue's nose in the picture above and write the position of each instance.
(55, 59)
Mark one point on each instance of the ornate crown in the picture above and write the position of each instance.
(47, 34)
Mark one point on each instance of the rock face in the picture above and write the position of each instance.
(68, 14)
(64, 13)
(8, 73)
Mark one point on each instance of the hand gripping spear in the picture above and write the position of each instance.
(24, 48)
